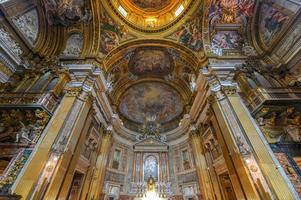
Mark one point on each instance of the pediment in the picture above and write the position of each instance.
(150, 145)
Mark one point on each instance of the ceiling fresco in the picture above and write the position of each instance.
(151, 4)
(273, 19)
(227, 40)
(151, 16)
(151, 99)
(151, 61)
(230, 11)
(189, 33)
(112, 34)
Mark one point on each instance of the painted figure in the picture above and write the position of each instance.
(66, 12)
(151, 4)
(227, 40)
(272, 20)
(190, 35)
(111, 34)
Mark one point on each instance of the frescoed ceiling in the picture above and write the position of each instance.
(156, 47)
(151, 5)
(150, 16)
(151, 82)
(151, 100)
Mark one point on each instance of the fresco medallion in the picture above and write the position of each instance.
(151, 99)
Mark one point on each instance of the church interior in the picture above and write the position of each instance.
(150, 99)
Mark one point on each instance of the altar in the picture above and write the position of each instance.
(151, 174)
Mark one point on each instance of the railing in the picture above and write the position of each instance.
(263, 95)
(140, 188)
(48, 100)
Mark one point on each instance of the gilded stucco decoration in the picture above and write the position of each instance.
(151, 16)
(280, 124)
(150, 5)
(23, 127)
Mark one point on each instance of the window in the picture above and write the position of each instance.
(116, 159)
(186, 163)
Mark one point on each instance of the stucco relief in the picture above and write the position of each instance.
(9, 43)
(28, 25)
(74, 45)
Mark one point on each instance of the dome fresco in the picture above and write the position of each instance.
(151, 99)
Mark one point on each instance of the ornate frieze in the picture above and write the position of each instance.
(28, 25)
(10, 44)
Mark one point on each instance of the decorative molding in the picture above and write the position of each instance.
(10, 45)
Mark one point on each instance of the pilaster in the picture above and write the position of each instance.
(254, 164)
(100, 168)
(201, 165)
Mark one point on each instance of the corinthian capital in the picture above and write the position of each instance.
(108, 132)
(193, 131)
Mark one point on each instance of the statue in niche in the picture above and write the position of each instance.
(66, 12)
(116, 159)
(150, 184)
(186, 162)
